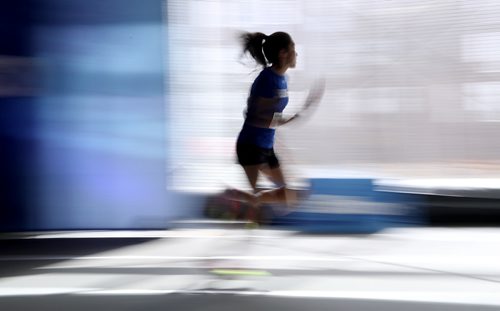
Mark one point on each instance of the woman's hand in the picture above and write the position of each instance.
(315, 94)
(279, 119)
(314, 97)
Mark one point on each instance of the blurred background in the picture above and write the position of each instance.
(411, 86)
(121, 114)
(83, 115)
(118, 120)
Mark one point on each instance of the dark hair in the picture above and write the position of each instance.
(265, 49)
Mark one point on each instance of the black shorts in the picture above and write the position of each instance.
(249, 154)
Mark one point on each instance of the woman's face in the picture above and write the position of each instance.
(291, 58)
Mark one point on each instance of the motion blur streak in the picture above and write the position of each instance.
(83, 115)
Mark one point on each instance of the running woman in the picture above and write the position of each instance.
(267, 99)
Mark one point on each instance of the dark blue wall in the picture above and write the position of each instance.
(83, 142)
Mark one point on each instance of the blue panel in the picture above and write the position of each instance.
(89, 150)
(342, 186)
(350, 206)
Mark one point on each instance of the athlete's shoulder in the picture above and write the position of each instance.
(264, 84)
(265, 74)
(268, 77)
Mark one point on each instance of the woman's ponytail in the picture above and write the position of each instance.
(252, 43)
(265, 49)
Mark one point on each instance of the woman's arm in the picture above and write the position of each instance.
(263, 118)
(262, 115)
(315, 94)
(280, 119)
(314, 97)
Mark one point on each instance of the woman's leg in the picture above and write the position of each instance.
(275, 175)
(282, 194)
(252, 173)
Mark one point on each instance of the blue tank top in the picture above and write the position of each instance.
(268, 84)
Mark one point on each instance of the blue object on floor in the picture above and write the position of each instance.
(353, 206)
